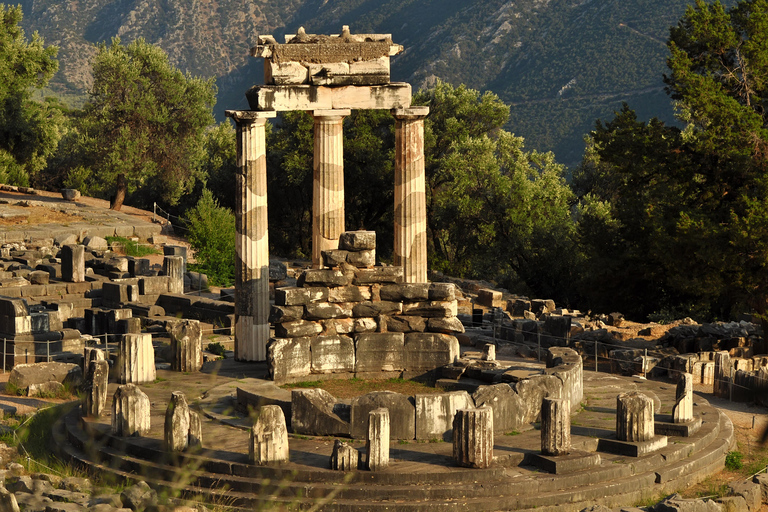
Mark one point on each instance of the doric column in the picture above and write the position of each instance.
(473, 437)
(410, 194)
(682, 411)
(634, 417)
(328, 183)
(555, 426)
(252, 241)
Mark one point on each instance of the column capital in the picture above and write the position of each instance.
(251, 116)
(335, 112)
(410, 113)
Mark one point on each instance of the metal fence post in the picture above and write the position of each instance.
(4, 340)
(595, 356)
(538, 345)
(645, 361)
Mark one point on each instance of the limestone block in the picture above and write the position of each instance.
(39, 277)
(762, 480)
(130, 411)
(70, 194)
(312, 413)
(285, 73)
(95, 402)
(429, 351)
(379, 352)
(195, 430)
(269, 437)
(555, 426)
(507, 406)
(406, 292)
(176, 431)
(362, 259)
(139, 497)
(338, 326)
(377, 442)
(682, 411)
(292, 296)
(431, 309)
(24, 375)
(280, 314)
(402, 414)
(136, 359)
(325, 310)
(403, 323)
(435, 412)
(708, 374)
(634, 417)
(333, 258)
(91, 354)
(349, 293)
(332, 354)
(365, 325)
(117, 264)
(374, 309)
(543, 306)
(722, 377)
(378, 275)
(748, 490)
(324, 277)
(357, 241)
(288, 357)
(297, 329)
(489, 352)
(311, 97)
(378, 66)
(186, 345)
(173, 267)
(95, 243)
(14, 316)
(489, 298)
(344, 457)
(324, 73)
(442, 292)
(473, 437)
(139, 267)
(154, 285)
(532, 391)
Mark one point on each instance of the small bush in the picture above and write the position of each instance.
(217, 349)
(212, 236)
(733, 461)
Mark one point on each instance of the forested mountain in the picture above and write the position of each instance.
(561, 64)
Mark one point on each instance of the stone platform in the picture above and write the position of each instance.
(421, 476)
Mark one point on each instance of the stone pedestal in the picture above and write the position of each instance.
(95, 403)
(328, 183)
(377, 443)
(410, 250)
(173, 267)
(344, 457)
(176, 431)
(634, 417)
(489, 352)
(136, 360)
(682, 411)
(269, 437)
(130, 411)
(722, 378)
(252, 242)
(91, 354)
(473, 437)
(555, 426)
(186, 345)
(708, 374)
(73, 263)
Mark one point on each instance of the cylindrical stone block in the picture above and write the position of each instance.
(634, 417)
(95, 403)
(252, 239)
(136, 360)
(473, 437)
(377, 443)
(410, 250)
(722, 377)
(555, 426)
(682, 411)
(130, 411)
(328, 183)
(344, 457)
(73, 263)
(173, 267)
(708, 374)
(186, 345)
(269, 437)
(176, 431)
(489, 352)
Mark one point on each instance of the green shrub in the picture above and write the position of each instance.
(130, 247)
(212, 236)
(733, 461)
(217, 349)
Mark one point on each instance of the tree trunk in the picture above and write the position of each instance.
(120, 189)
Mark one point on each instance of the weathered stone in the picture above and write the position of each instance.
(139, 496)
(432, 309)
(362, 259)
(332, 354)
(344, 457)
(442, 292)
(446, 325)
(315, 97)
(429, 351)
(722, 378)
(762, 481)
(338, 326)
(365, 325)
(473, 437)
(186, 345)
(130, 411)
(489, 352)
(349, 294)
(280, 314)
(402, 414)
(326, 310)
(173, 267)
(90, 354)
(176, 431)
(377, 442)
(95, 243)
(379, 352)
(95, 403)
(14, 316)
(288, 357)
(378, 275)
(403, 323)
(50, 388)
(195, 438)
(136, 359)
(73, 263)
(297, 329)
(435, 412)
(24, 375)
(489, 298)
(312, 412)
(117, 264)
(406, 292)
(269, 437)
(634, 417)
(507, 406)
(8, 501)
(324, 277)
(542, 306)
(374, 309)
(39, 277)
(532, 391)
(682, 411)
(333, 258)
(748, 490)
(555, 426)
(357, 240)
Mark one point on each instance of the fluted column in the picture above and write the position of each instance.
(634, 417)
(410, 250)
(682, 411)
(555, 426)
(328, 183)
(252, 241)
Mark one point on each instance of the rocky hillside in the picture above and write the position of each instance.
(560, 63)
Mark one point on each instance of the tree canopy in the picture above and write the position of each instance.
(29, 130)
(144, 123)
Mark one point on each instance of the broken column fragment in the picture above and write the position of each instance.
(269, 437)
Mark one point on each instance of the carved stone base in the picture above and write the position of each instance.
(561, 464)
(632, 448)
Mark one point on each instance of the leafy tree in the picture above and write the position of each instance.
(211, 233)
(142, 127)
(29, 130)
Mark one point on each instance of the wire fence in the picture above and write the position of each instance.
(158, 212)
